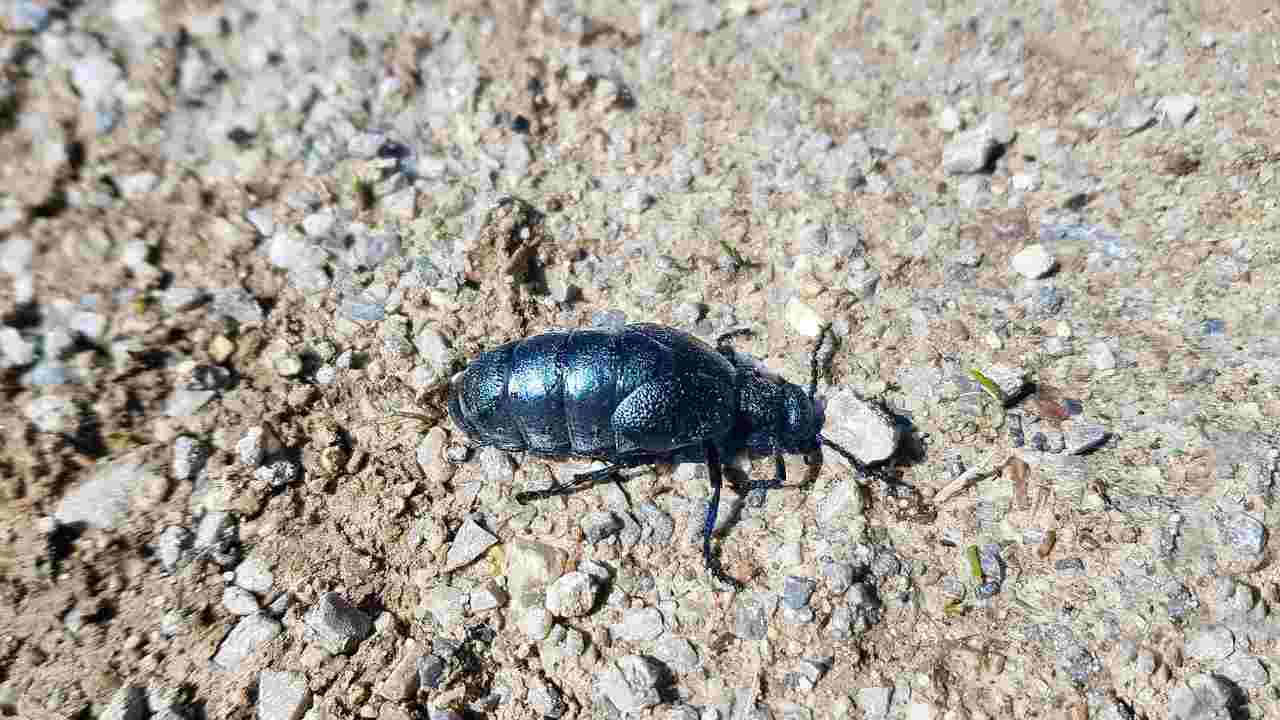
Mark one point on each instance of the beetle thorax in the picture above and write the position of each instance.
(775, 414)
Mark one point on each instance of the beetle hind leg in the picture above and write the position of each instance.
(709, 523)
(581, 481)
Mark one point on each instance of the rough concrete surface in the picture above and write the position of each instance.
(244, 246)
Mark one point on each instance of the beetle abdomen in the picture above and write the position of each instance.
(479, 401)
(536, 387)
(600, 393)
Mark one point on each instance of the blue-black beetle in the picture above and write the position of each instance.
(637, 395)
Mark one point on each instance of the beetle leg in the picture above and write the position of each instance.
(723, 339)
(709, 524)
(813, 361)
(580, 481)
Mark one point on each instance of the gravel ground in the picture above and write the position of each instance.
(244, 246)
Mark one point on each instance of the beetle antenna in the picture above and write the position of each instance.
(855, 462)
(813, 363)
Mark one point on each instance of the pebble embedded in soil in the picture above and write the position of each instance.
(1033, 262)
(639, 625)
(128, 703)
(244, 640)
(572, 595)
(471, 542)
(861, 427)
(335, 625)
(630, 683)
(282, 695)
(254, 575)
(103, 500)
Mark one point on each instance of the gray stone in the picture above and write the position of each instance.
(1071, 655)
(630, 683)
(128, 703)
(1211, 644)
(282, 695)
(254, 575)
(1072, 566)
(840, 624)
(676, 653)
(216, 530)
(1246, 671)
(361, 309)
(471, 542)
(969, 152)
(170, 546)
(600, 525)
(806, 674)
(639, 625)
(236, 304)
(1033, 262)
(796, 591)
(258, 444)
(838, 575)
(1083, 437)
(545, 699)
(1177, 110)
(243, 641)
(1235, 600)
(751, 617)
(239, 601)
(658, 527)
(1201, 697)
(496, 466)
(15, 351)
(319, 224)
(572, 595)
(862, 595)
(168, 702)
(52, 414)
(487, 597)
(185, 402)
(1101, 356)
(335, 625)
(102, 501)
(262, 220)
(875, 701)
(861, 427)
(431, 669)
(280, 605)
(278, 474)
(435, 348)
(637, 200)
(189, 456)
(1182, 602)
(949, 119)
(1242, 533)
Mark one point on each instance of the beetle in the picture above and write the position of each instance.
(637, 395)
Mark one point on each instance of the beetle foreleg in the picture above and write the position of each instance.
(709, 524)
(779, 478)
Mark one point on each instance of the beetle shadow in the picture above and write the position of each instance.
(912, 447)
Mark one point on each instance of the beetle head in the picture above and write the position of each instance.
(801, 421)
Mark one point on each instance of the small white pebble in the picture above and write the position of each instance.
(1033, 262)
(803, 319)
